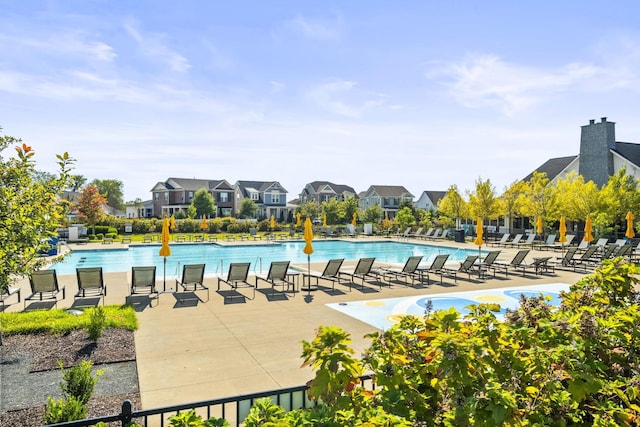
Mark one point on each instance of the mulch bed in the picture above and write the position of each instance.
(46, 350)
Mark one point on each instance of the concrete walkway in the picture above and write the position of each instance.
(189, 350)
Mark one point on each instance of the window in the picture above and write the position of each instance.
(166, 196)
(275, 197)
(156, 196)
(190, 195)
(254, 196)
(224, 197)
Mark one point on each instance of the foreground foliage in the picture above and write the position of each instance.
(59, 321)
(571, 366)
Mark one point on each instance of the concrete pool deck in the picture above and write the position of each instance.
(188, 350)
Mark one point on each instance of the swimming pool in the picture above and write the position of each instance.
(218, 257)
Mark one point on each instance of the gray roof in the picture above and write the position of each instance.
(391, 191)
(629, 151)
(338, 188)
(552, 167)
(261, 186)
(435, 196)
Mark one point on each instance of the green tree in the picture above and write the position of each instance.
(77, 182)
(539, 197)
(453, 205)
(90, 205)
(405, 218)
(309, 210)
(30, 212)
(372, 214)
(483, 202)
(350, 206)
(248, 209)
(334, 210)
(203, 202)
(513, 199)
(111, 190)
(618, 196)
(574, 198)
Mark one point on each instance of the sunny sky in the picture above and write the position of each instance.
(424, 94)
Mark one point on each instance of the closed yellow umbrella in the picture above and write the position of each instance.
(630, 233)
(479, 232)
(298, 223)
(172, 222)
(539, 224)
(324, 220)
(563, 230)
(308, 248)
(203, 224)
(588, 230)
(272, 222)
(355, 217)
(165, 250)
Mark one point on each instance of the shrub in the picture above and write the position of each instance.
(78, 382)
(111, 235)
(97, 323)
(99, 236)
(101, 229)
(192, 419)
(62, 410)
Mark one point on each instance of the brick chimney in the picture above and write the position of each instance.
(596, 142)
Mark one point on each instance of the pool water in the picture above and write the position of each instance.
(218, 257)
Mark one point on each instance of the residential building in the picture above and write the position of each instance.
(388, 197)
(323, 191)
(269, 196)
(175, 195)
(428, 200)
(139, 210)
(600, 156)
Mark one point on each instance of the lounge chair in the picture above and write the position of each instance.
(417, 234)
(588, 258)
(487, 263)
(237, 277)
(501, 242)
(143, 281)
(529, 242)
(277, 276)
(435, 234)
(467, 266)
(444, 234)
(192, 279)
(583, 245)
(404, 235)
(561, 246)
(623, 251)
(427, 233)
(566, 261)
(330, 273)
(539, 265)
(362, 270)
(515, 263)
(91, 283)
(551, 240)
(601, 243)
(44, 286)
(436, 267)
(409, 271)
(6, 293)
(515, 241)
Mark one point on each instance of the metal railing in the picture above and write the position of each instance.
(234, 409)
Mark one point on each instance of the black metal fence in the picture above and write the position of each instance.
(233, 409)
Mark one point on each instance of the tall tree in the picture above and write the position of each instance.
(248, 208)
(372, 214)
(30, 212)
(204, 203)
(90, 205)
(77, 182)
(309, 210)
(453, 205)
(483, 202)
(334, 210)
(111, 190)
(539, 197)
(350, 206)
(618, 196)
(513, 199)
(574, 198)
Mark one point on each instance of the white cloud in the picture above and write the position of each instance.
(316, 28)
(153, 45)
(331, 96)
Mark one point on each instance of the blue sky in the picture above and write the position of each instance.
(423, 94)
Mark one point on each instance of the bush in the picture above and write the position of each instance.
(101, 229)
(97, 323)
(78, 381)
(63, 410)
(111, 235)
(99, 236)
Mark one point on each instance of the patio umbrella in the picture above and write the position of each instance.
(563, 230)
(539, 224)
(298, 223)
(203, 224)
(588, 230)
(630, 233)
(172, 222)
(165, 250)
(479, 232)
(308, 248)
(272, 222)
(355, 217)
(324, 220)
